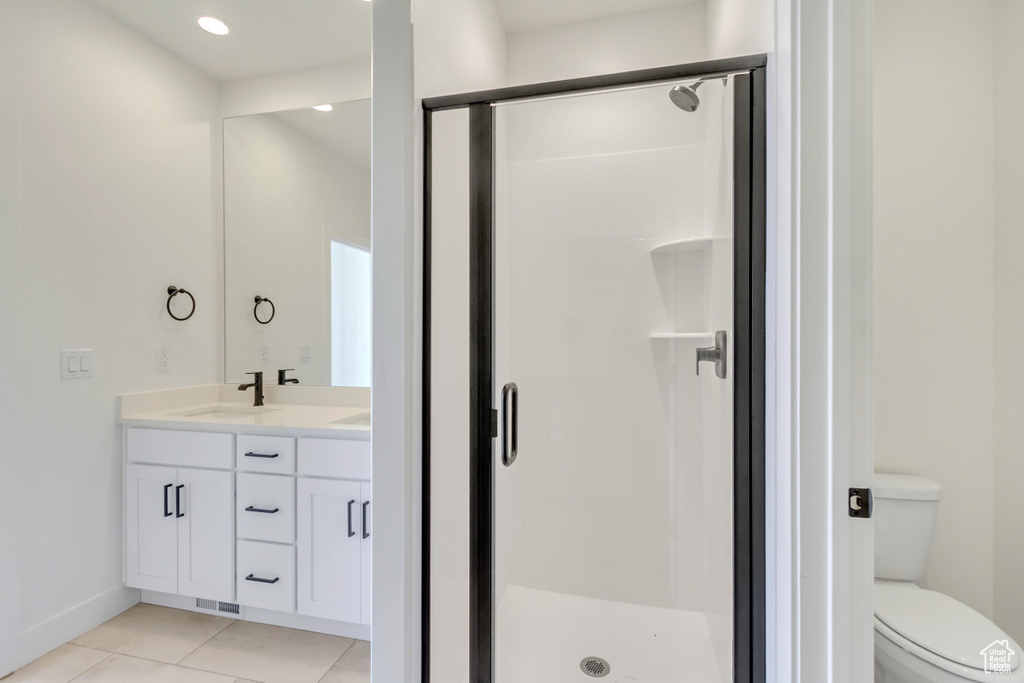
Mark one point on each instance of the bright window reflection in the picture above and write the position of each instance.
(350, 315)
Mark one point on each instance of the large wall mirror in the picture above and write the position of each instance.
(297, 244)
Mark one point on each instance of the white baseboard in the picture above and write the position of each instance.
(48, 635)
(265, 616)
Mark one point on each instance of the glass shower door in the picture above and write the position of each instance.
(613, 467)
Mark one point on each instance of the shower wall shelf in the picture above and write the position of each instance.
(682, 335)
(687, 244)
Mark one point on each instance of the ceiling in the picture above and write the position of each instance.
(345, 129)
(527, 15)
(267, 36)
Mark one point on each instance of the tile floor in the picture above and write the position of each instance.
(150, 644)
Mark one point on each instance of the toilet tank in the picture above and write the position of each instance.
(905, 510)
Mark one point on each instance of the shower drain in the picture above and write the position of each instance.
(595, 666)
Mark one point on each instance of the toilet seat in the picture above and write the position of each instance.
(938, 629)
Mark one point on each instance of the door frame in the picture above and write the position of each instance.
(750, 248)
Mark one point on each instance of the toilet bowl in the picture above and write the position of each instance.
(924, 636)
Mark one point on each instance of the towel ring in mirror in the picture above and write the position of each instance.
(172, 292)
(256, 309)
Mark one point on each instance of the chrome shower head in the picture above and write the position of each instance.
(685, 96)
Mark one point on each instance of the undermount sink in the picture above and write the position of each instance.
(226, 413)
(359, 419)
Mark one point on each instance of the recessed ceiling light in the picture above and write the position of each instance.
(213, 25)
(323, 107)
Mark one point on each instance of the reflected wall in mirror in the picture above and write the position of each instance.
(297, 232)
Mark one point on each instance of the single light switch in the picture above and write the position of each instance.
(85, 363)
(73, 363)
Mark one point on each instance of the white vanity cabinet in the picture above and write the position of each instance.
(279, 523)
(330, 549)
(334, 530)
(180, 531)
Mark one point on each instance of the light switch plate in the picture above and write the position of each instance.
(264, 354)
(163, 359)
(76, 363)
(305, 353)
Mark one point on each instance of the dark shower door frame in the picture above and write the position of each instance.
(749, 317)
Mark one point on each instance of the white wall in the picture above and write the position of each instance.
(740, 27)
(106, 186)
(396, 603)
(11, 457)
(286, 196)
(340, 82)
(661, 37)
(459, 47)
(1009, 323)
(934, 286)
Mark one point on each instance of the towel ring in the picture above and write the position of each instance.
(255, 309)
(172, 292)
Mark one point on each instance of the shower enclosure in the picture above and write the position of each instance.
(593, 359)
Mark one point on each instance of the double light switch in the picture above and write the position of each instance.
(75, 363)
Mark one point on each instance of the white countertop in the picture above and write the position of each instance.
(196, 408)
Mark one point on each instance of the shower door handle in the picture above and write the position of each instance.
(718, 354)
(509, 423)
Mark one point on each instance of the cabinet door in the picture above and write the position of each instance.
(151, 542)
(366, 538)
(205, 510)
(329, 544)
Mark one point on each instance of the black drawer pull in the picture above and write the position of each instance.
(177, 501)
(259, 580)
(261, 455)
(167, 489)
(269, 512)
(366, 534)
(350, 532)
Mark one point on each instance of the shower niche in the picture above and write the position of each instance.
(681, 270)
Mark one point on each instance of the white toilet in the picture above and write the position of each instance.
(922, 636)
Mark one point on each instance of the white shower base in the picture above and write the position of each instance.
(543, 636)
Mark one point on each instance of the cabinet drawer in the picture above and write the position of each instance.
(266, 575)
(266, 507)
(271, 454)
(338, 458)
(179, 448)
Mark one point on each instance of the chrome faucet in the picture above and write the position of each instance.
(258, 384)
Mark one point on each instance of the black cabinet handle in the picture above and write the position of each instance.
(269, 512)
(350, 532)
(259, 580)
(177, 501)
(167, 489)
(261, 455)
(366, 534)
